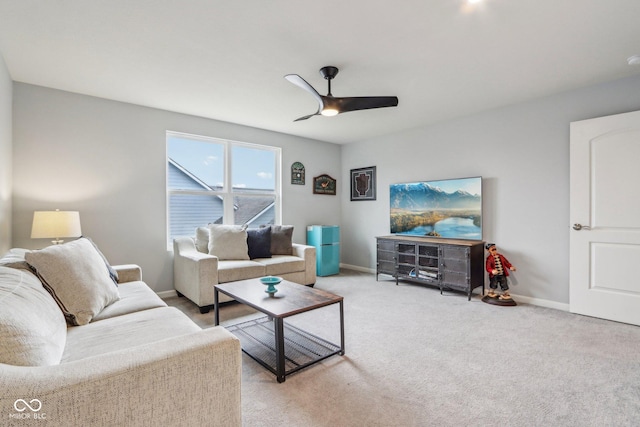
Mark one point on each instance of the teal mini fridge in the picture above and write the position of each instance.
(326, 240)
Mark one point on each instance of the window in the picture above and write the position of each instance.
(214, 181)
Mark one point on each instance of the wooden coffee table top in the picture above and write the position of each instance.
(290, 299)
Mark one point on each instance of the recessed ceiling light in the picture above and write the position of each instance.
(634, 60)
(473, 1)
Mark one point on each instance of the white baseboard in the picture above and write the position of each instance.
(358, 268)
(540, 302)
(167, 294)
(519, 298)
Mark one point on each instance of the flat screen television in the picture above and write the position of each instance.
(448, 208)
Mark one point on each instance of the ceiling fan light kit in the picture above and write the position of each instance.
(329, 112)
(329, 105)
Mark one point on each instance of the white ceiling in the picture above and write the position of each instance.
(226, 59)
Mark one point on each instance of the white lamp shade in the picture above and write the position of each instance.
(48, 224)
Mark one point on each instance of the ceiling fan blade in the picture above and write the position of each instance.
(365, 103)
(306, 117)
(301, 83)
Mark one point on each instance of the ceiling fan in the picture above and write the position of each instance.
(330, 105)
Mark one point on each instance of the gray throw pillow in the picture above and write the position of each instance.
(259, 242)
(75, 275)
(281, 239)
(228, 242)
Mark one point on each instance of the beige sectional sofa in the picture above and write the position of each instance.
(221, 254)
(135, 361)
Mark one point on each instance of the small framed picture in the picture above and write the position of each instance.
(363, 183)
(297, 173)
(324, 184)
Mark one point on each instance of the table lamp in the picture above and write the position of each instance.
(56, 224)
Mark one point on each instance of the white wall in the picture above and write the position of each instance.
(522, 153)
(107, 160)
(6, 99)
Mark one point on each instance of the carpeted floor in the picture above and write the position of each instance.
(418, 358)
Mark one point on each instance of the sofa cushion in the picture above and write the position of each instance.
(228, 242)
(124, 332)
(281, 239)
(134, 296)
(259, 242)
(32, 328)
(76, 275)
(282, 264)
(230, 271)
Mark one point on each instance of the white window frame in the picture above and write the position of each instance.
(227, 193)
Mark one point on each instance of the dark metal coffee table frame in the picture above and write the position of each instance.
(281, 348)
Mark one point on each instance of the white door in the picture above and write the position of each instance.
(605, 218)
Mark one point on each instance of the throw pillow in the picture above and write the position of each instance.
(259, 242)
(281, 236)
(15, 259)
(112, 271)
(75, 275)
(32, 328)
(202, 239)
(228, 242)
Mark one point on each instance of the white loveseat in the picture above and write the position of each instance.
(136, 362)
(199, 264)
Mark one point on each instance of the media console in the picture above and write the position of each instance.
(448, 264)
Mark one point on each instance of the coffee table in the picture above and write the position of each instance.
(281, 348)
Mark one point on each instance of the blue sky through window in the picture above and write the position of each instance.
(251, 167)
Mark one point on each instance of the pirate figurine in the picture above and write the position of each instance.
(498, 267)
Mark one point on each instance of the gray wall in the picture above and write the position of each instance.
(522, 153)
(6, 99)
(107, 160)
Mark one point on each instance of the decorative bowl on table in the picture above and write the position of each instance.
(270, 282)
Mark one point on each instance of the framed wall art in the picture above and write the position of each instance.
(297, 173)
(324, 184)
(363, 183)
